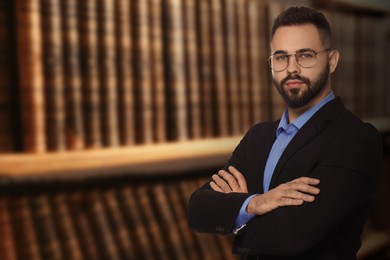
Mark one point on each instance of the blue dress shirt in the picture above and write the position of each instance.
(284, 134)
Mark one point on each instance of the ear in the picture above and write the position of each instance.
(333, 60)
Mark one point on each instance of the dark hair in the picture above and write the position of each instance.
(305, 15)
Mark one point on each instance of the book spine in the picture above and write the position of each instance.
(168, 222)
(242, 68)
(53, 74)
(45, 228)
(30, 74)
(159, 243)
(101, 226)
(7, 245)
(75, 131)
(125, 242)
(88, 31)
(26, 240)
(7, 136)
(179, 213)
(143, 74)
(125, 61)
(83, 227)
(192, 72)
(207, 95)
(219, 72)
(70, 244)
(107, 72)
(136, 222)
(231, 64)
(258, 51)
(157, 63)
(176, 88)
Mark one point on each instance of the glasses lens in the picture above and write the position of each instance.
(306, 59)
(279, 61)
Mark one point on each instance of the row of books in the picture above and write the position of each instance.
(106, 73)
(130, 221)
(103, 73)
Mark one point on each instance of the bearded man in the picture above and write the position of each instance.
(300, 187)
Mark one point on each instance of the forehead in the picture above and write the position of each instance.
(296, 37)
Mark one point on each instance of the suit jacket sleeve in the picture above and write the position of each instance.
(214, 212)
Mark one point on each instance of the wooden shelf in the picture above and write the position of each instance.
(158, 159)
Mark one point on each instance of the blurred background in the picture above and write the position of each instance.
(112, 112)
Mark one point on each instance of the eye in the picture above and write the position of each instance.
(280, 57)
(306, 55)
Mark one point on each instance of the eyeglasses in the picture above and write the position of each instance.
(305, 58)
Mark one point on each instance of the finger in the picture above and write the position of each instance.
(215, 187)
(289, 202)
(229, 178)
(221, 183)
(303, 187)
(296, 195)
(307, 180)
(239, 177)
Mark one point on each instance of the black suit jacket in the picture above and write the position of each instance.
(333, 146)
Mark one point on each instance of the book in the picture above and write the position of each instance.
(30, 74)
(219, 77)
(192, 81)
(167, 221)
(157, 71)
(52, 48)
(175, 71)
(258, 55)
(179, 213)
(7, 245)
(125, 243)
(44, 225)
(143, 73)
(158, 241)
(245, 104)
(7, 81)
(75, 128)
(79, 213)
(65, 226)
(97, 215)
(89, 59)
(25, 234)
(136, 223)
(125, 63)
(230, 31)
(207, 95)
(53, 73)
(107, 72)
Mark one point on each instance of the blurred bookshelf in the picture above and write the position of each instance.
(108, 107)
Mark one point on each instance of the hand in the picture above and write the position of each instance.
(293, 193)
(229, 182)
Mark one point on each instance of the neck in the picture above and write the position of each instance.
(294, 113)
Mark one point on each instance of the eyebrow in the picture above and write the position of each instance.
(285, 52)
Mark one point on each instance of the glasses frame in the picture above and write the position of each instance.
(296, 58)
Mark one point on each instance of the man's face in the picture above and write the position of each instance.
(300, 86)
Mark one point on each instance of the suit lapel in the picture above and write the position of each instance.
(311, 129)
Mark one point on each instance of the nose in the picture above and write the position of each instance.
(293, 66)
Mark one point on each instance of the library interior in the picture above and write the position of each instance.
(112, 112)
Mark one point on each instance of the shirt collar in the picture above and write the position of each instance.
(302, 119)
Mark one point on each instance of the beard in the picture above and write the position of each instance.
(298, 97)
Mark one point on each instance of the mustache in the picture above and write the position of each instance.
(295, 77)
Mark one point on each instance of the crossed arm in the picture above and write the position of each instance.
(293, 193)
